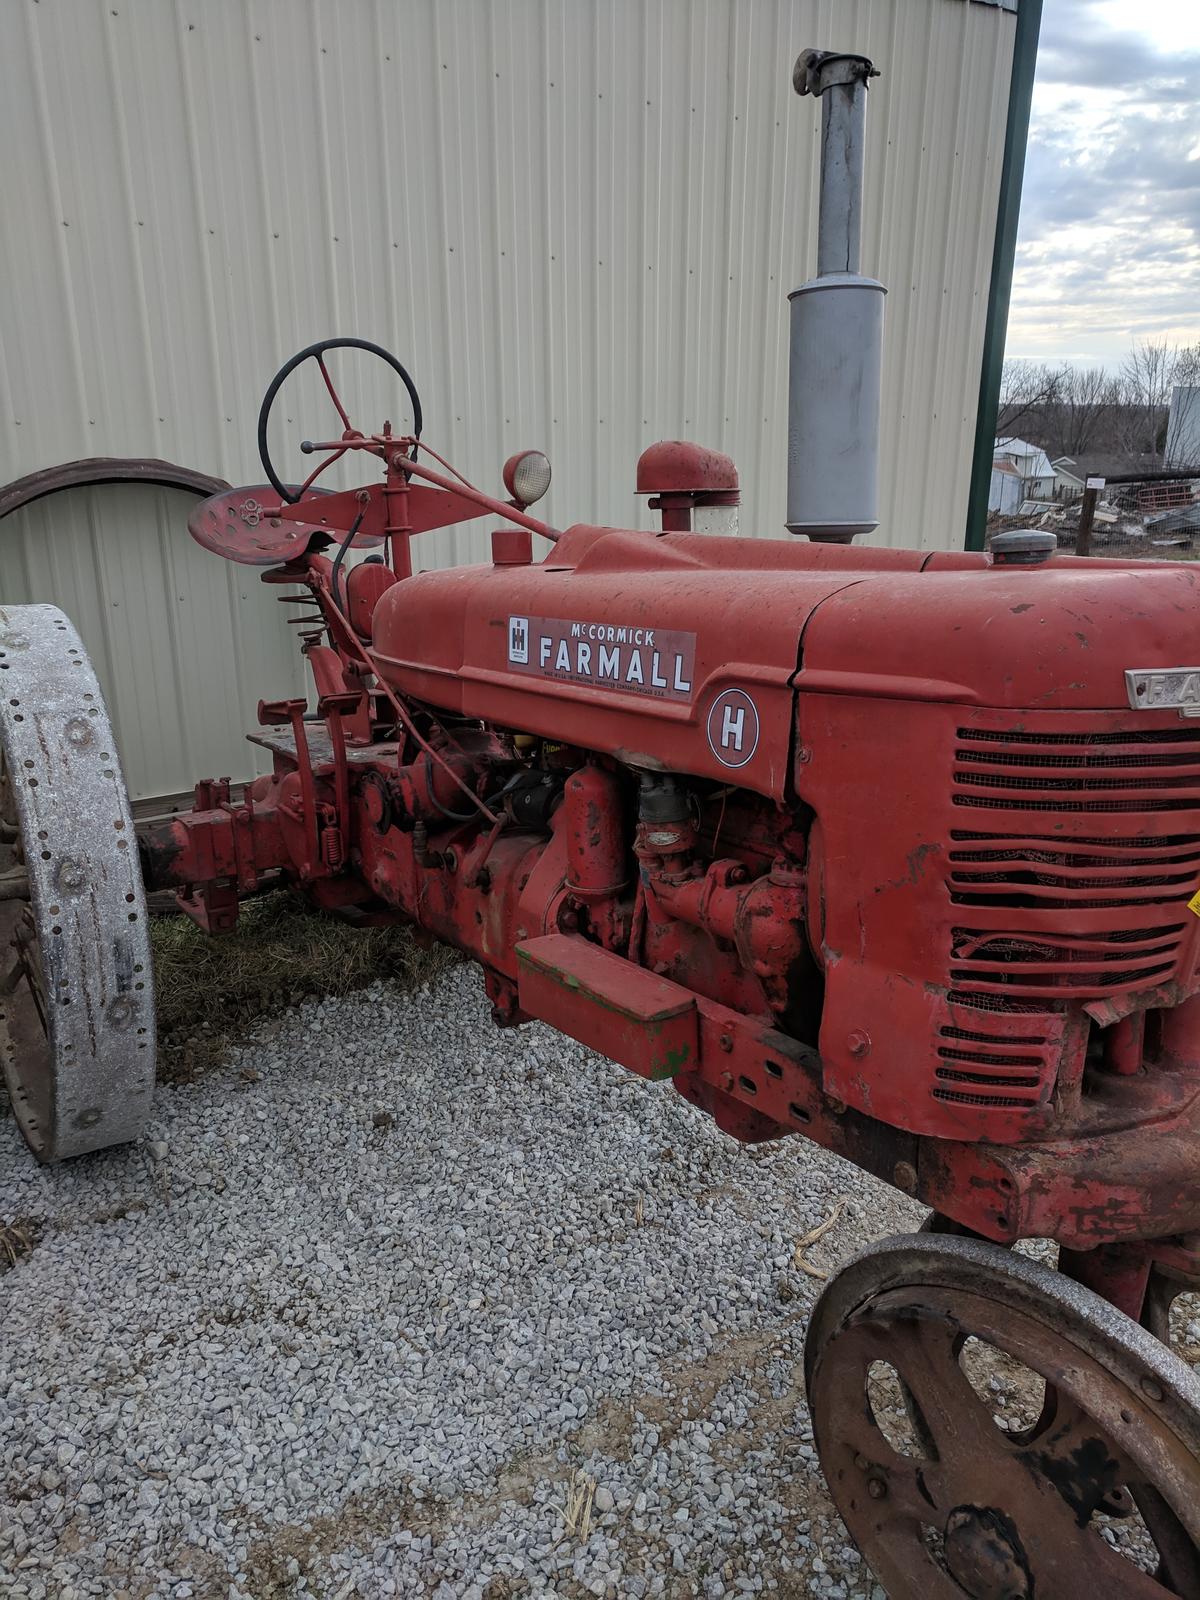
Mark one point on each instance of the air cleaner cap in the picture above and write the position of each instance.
(1022, 547)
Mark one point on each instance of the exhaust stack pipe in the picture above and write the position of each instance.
(836, 327)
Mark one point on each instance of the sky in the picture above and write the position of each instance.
(1109, 245)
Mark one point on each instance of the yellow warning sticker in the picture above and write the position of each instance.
(1194, 903)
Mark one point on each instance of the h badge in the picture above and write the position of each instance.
(733, 728)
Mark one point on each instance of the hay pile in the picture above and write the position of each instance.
(211, 989)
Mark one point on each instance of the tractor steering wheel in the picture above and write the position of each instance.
(316, 352)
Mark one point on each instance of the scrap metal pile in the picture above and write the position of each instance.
(1156, 517)
(891, 850)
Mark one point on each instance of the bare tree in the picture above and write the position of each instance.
(1075, 411)
(1148, 374)
(1083, 409)
(1027, 388)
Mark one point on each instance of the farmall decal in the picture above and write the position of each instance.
(635, 660)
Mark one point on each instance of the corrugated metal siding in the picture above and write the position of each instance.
(576, 221)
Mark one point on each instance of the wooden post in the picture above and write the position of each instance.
(1087, 515)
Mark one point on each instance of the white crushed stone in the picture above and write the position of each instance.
(281, 1348)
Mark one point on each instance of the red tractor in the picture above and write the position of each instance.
(895, 851)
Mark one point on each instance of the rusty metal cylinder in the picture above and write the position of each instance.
(1124, 1045)
(597, 859)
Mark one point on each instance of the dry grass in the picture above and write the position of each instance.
(17, 1239)
(576, 1510)
(210, 990)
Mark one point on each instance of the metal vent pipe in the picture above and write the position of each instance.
(836, 326)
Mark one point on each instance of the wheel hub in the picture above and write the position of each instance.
(982, 1554)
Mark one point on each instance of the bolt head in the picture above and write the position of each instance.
(876, 1488)
(904, 1177)
(71, 874)
(858, 1043)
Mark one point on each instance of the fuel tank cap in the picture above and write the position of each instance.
(1022, 547)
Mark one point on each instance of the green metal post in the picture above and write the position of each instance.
(1016, 138)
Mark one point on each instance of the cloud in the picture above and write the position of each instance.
(1109, 247)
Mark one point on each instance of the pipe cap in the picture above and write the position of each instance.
(1022, 547)
(818, 70)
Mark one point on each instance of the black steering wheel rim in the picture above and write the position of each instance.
(313, 352)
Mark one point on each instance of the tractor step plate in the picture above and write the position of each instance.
(634, 1017)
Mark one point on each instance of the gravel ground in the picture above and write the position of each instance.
(386, 1303)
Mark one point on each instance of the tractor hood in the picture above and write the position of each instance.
(683, 652)
(1059, 636)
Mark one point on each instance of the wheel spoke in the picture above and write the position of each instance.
(1097, 1569)
(950, 1413)
(333, 394)
(1179, 1560)
(917, 1490)
(1070, 1450)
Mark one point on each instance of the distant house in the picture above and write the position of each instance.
(1028, 464)
(1070, 479)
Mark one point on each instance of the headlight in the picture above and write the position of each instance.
(527, 476)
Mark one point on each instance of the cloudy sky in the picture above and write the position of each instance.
(1109, 248)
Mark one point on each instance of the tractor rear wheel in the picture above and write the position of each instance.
(77, 1040)
(1093, 1490)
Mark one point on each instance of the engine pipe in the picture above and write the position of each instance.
(597, 849)
(836, 354)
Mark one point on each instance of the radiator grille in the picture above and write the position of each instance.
(1045, 916)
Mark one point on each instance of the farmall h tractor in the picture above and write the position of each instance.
(895, 851)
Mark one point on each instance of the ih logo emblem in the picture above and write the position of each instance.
(518, 640)
(733, 728)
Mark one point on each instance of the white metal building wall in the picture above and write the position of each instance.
(576, 222)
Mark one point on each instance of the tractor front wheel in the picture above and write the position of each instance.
(1092, 1487)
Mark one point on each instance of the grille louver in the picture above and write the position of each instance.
(1147, 771)
(1045, 917)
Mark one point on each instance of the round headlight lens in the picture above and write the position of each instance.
(527, 476)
